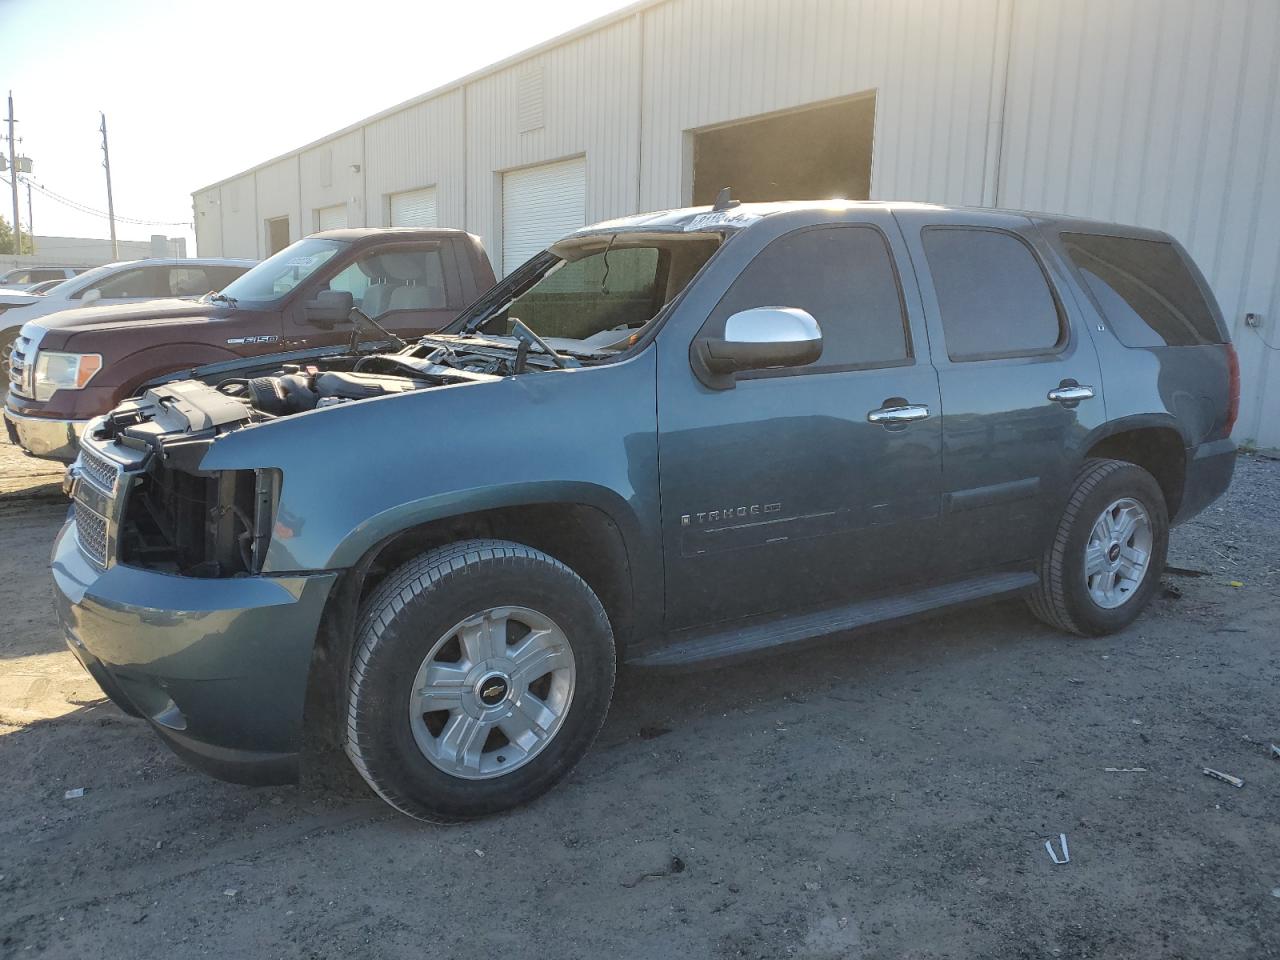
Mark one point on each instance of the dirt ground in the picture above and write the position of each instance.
(887, 795)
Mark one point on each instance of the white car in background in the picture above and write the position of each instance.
(25, 278)
(117, 283)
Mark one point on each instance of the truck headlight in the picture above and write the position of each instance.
(64, 371)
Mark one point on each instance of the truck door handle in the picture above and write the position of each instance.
(1068, 391)
(898, 413)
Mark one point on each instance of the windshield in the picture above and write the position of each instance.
(278, 274)
(595, 295)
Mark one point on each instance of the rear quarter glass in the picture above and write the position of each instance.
(1145, 289)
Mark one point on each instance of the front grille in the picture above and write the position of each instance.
(91, 533)
(101, 471)
(20, 372)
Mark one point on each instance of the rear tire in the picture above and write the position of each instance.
(1104, 562)
(482, 672)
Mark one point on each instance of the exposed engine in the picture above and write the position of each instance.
(296, 388)
(167, 513)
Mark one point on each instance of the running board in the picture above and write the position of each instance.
(724, 642)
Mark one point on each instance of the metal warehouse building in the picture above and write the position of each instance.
(1164, 113)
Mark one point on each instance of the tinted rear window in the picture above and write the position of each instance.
(1145, 290)
(992, 294)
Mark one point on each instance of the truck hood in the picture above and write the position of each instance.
(129, 314)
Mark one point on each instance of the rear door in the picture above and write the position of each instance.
(782, 493)
(1019, 379)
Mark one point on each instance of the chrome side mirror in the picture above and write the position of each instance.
(757, 339)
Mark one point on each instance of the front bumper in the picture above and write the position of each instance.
(43, 436)
(218, 667)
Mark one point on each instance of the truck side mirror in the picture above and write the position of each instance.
(756, 339)
(329, 308)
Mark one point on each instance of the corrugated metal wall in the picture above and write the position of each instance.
(1164, 113)
(590, 99)
(418, 147)
(332, 173)
(278, 197)
(928, 61)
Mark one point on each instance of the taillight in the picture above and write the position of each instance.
(1233, 388)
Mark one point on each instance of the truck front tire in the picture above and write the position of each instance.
(481, 674)
(1108, 551)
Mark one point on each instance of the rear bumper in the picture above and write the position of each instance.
(218, 668)
(45, 437)
(1209, 473)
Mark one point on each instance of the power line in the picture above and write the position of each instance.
(94, 212)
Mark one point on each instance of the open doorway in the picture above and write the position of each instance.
(809, 153)
(277, 234)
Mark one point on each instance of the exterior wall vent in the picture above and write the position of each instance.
(529, 100)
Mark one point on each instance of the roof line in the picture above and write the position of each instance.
(592, 26)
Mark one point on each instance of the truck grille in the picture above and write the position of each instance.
(101, 471)
(21, 368)
(91, 533)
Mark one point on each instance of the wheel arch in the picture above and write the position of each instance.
(1154, 442)
(588, 537)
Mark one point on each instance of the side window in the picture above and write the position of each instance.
(384, 281)
(142, 282)
(188, 282)
(1145, 291)
(993, 295)
(845, 278)
(42, 275)
(219, 277)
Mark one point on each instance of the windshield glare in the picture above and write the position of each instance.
(594, 297)
(280, 273)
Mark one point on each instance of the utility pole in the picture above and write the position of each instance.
(31, 220)
(111, 210)
(13, 181)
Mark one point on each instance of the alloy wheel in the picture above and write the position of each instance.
(492, 693)
(1118, 554)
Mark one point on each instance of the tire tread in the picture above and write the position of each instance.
(431, 571)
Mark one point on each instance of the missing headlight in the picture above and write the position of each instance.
(200, 525)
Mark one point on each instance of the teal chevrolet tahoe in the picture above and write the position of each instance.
(667, 441)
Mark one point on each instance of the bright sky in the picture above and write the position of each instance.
(197, 91)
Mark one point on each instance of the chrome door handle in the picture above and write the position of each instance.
(1070, 393)
(905, 413)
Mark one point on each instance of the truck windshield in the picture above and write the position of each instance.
(278, 274)
(594, 295)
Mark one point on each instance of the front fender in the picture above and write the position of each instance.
(356, 473)
(445, 505)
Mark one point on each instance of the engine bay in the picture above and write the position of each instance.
(298, 387)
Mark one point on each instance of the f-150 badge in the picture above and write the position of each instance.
(265, 338)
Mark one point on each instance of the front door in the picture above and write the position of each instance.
(782, 492)
(1021, 388)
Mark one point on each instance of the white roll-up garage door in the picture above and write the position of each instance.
(331, 218)
(539, 206)
(414, 208)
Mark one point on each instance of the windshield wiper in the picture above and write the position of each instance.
(361, 318)
(221, 298)
(520, 330)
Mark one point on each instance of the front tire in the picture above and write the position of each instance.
(482, 673)
(1104, 563)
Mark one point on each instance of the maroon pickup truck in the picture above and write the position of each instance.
(69, 367)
